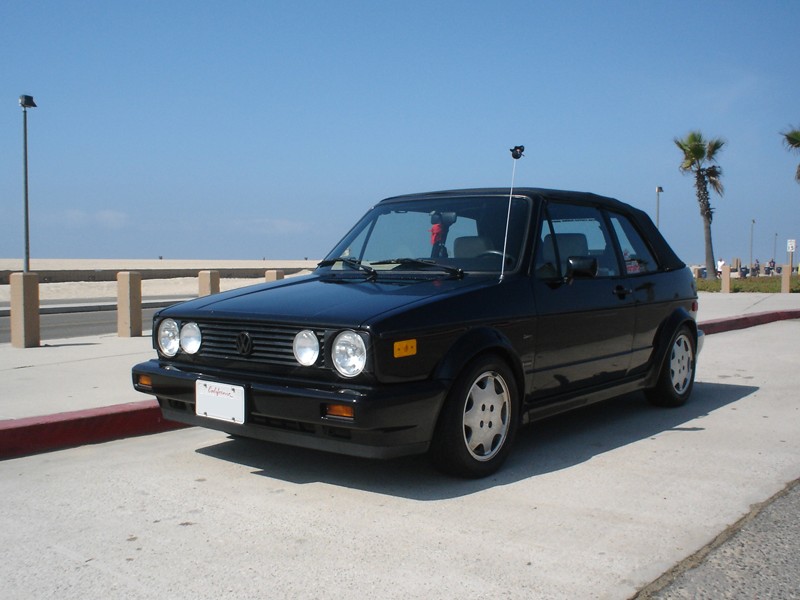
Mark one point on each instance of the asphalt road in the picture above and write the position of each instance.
(760, 558)
(75, 324)
(598, 503)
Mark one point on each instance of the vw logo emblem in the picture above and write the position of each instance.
(244, 343)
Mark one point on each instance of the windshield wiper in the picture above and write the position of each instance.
(353, 263)
(423, 263)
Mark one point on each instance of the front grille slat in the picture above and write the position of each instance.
(272, 344)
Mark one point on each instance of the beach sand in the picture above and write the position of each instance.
(123, 264)
(179, 287)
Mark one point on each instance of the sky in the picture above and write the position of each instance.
(265, 129)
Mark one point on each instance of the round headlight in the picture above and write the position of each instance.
(306, 348)
(349, 353)
(190, 338)
(168, 337)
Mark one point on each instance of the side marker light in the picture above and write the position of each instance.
(405, 348)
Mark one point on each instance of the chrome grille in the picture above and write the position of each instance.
(272, 344)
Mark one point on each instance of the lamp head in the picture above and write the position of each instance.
(27, 102)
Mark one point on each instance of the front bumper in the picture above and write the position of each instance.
(388, 421)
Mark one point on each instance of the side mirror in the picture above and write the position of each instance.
(581, 267)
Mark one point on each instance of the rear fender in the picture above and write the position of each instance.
(663, 337)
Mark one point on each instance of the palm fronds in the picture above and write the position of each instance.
(791, 140)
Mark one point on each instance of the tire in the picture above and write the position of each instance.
(478, 421)
(676, 379)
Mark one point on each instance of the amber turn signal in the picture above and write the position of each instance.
(405, 348)
(342, 411)
(144, 381)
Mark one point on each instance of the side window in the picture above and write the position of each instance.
(635, 253)
(574, 230)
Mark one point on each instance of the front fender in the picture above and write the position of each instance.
(473, 343)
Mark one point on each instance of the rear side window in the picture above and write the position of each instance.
(574, 230)
(637, 256)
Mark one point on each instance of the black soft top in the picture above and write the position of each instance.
(666, 256)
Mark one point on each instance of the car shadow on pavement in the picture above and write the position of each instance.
(543, 447)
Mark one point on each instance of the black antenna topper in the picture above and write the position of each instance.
(516, 152)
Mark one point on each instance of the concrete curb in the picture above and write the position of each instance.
(21, 437)
(32, 435)
(744, 321)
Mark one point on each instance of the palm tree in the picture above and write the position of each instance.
(698, 154)
(792, 140)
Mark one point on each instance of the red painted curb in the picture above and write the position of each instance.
(20, 437)
(744, 321)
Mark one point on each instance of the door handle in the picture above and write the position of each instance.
(621, 291)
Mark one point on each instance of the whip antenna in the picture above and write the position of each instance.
(516, 154)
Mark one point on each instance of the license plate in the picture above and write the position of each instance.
(221, 401)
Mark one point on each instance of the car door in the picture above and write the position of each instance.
(652, 289)
(585, 323)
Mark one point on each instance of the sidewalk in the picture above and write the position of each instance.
(73, 392)
(77, 391)
(726, 312)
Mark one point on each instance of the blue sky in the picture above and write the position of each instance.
(248, 130)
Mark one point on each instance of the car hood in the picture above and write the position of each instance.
(352, 302)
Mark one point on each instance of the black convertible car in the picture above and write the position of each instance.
(440, 323)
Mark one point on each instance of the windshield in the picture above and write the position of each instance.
(446, 234)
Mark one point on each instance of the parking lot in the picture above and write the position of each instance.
(593, 504)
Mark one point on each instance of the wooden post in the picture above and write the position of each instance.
(726, 279)
(25, 310)
(786, 279)
(129, 304)
(208, 283)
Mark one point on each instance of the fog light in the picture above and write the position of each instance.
(341, 411)
(191, 338)
(306, 348)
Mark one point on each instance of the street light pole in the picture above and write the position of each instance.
(26, 102)
(659, 189)
(752, 224)
(774, 246)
